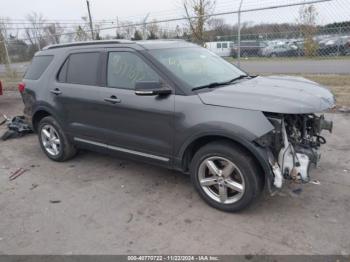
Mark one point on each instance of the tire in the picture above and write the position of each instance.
(245, 172)
(53, 141)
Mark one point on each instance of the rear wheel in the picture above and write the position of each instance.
(53, 141)
(226, 176)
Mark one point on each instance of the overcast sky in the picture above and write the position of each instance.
(134, 10)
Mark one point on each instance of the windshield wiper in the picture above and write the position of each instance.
(237, 78)
(215, 84)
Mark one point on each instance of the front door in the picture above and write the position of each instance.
(141, 126)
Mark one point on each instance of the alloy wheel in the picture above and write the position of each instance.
(221, 180)
(50, 140)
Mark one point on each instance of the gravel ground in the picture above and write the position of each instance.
(97, 204)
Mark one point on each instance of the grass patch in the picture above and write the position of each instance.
(291, 58)
(338, 84)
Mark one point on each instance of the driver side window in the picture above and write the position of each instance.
(125, 69)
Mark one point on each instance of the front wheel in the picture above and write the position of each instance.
(226, 176)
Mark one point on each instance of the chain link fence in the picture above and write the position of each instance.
(301, 31)
(238, 29)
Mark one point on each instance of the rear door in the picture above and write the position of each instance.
(76, 94)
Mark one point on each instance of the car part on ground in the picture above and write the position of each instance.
(17, 127)
(3, 119)
(17, 173)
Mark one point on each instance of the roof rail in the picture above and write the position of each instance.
(97, 42)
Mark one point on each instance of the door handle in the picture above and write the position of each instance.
(113, 100)
(56, 91)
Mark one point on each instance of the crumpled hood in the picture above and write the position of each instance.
(277, 94)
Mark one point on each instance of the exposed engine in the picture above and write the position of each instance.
(294, 145)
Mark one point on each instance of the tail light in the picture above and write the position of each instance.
(21, 87)
(0, 88)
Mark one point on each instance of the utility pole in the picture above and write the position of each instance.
(239, 36)
(90, 20)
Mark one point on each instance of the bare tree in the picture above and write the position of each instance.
(307, 20)
(127, 29)
(200, 10)
(153, 30)
(81, 34)
(54, 32)
(35, 31)
(218, 27)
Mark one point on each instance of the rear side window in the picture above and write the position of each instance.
(80, 69)
(38, 66)
(218, 45)
(224, 45)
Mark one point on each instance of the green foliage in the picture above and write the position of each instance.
(137, 36)
(152, 36)
(3, 59)
(81, 34)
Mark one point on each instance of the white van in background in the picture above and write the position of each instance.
(222, 48)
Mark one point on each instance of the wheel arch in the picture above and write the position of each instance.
(190, 148)
(39, 114)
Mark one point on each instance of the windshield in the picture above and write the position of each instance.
(196, 66)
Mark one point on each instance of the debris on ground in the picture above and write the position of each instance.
(298, 191)
(344, 109)
(55, 201)
(3, 119)
(17, 173)
(315, 182)
(17, 128)
(131, 216)
(34, 186)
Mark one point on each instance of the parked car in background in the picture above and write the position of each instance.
(347, 47)
(281, 50)
(249, 48)
(222, 48)
(334, 46)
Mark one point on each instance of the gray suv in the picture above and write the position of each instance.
(177, 105)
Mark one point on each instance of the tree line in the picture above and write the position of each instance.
(199, 26)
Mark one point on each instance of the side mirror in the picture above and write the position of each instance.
(147, 88)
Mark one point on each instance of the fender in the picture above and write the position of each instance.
(258, 152)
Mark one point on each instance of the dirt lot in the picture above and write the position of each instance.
(111, 206)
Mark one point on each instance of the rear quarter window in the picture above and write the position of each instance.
(82, 68)
(38, 67)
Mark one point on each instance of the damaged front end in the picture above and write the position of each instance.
(293, 146)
